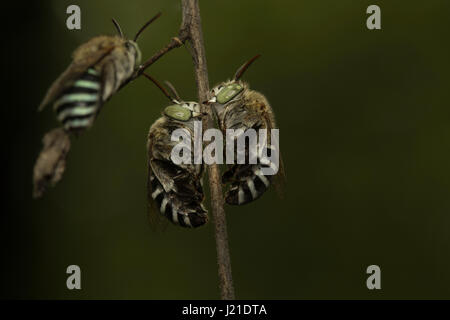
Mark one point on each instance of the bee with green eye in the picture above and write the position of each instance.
(99, 68)
(174, 190)
(238, 107)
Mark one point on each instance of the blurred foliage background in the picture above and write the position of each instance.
(364, 128)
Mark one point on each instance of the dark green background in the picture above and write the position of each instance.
(364, 128)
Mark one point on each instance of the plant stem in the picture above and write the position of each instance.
(191, 25)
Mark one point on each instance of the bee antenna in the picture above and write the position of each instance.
(158, 85)
(146, 25)
(172, 89)
(244, 67)
(119, 30)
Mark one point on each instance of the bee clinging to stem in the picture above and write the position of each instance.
(99, 68)
(174, 189)
(240, 108)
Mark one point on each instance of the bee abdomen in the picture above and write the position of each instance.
(189, 215)
(249, 188)
(252, 182)
(77, 106)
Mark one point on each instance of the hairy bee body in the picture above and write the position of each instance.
(246, 109)
(99, 68)
(176, 189)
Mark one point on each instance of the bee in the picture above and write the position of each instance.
(176, 189)
(99, 68)
(238, 107)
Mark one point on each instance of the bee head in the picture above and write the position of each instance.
(180, 110)
(183, 110)
(133, 48)
(131, 45)
(226, 91)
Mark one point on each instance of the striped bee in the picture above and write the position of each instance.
(238, 107)
(176, 189)
(99, 68)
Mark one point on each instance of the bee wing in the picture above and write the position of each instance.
(279, 180)
(156, 219)
(74, 71)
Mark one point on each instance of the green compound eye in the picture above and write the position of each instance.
(228, 93)
(178, 112)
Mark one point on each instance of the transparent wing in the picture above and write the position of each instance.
(279, 181)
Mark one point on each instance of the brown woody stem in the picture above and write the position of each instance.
(191, 26)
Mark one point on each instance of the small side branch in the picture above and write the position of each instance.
(174, 43)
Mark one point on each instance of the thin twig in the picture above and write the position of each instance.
(175, 42)
(192, 24)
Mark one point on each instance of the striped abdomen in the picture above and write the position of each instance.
(250, 183)
(78, 105)
(190, 214)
